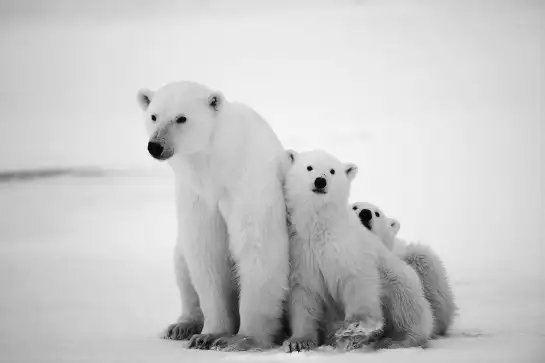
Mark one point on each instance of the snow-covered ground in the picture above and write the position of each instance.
(86, 275)
(438, 102)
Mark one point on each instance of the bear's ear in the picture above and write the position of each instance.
(215, 100)
(144, 98)
(291, 154)
(394, 225)
(351, 170)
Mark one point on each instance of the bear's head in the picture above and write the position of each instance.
(372, 218)
(180, 118)
(316, 178)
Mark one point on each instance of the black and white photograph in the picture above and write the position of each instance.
(272, 180)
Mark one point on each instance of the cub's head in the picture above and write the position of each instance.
(180, 118)
(315, 178)
(372, 218)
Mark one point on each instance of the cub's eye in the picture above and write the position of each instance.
(377, 214)
(309, 168)
(332, 171)
(153, 118)
(355, 208)
(181, 120)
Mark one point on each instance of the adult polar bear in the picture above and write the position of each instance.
(227, 163)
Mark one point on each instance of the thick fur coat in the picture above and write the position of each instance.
(421, 258)
(231, 255)
(342, 275)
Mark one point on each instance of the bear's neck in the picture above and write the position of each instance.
(306, 219)
(193, 170)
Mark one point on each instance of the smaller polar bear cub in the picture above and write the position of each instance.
(334, 274)
(375, 221)
(421, 258)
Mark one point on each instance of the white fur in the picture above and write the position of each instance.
(334, 272)
(408, 314)
(230, 205)
(385, 228)
(425, 262)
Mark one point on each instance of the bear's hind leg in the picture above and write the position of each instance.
(408, 312)
(191, 319)
(437, 290)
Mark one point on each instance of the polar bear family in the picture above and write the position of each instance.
(268, 250)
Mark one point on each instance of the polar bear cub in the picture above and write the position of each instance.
(342, 279)
(232, 231)
(421, 258)
(331, 269)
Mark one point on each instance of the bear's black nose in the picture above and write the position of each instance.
(155, 149)
(320, 183)
(365, 218)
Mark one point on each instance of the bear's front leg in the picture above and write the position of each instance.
(305, 301)
(361, 296)
(259, 243)
(304, 310)
(191, 319)
(203, 239)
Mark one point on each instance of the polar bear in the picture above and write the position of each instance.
(421, 258)
(341, 274)
(376, 221)
(232, 230)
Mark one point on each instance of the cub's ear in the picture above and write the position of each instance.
(394, 225)
(291, 154)
(351, 170)
(144, 98)
(215, 101)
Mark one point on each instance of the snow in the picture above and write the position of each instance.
(86, 275)
(439, 103)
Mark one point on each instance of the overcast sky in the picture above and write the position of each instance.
(439, 103)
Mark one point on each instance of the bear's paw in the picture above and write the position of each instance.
(299, 345)
(355, 334)
(202, 341)
(182, 330)
(237, 343)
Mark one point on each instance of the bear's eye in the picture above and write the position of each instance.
(153, 118)
(309, 168)
(377, 214)
(181, 120)
(355, 208)
(332, 171)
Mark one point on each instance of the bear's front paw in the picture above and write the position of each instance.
(237, 343)
(355, 334)
(182, 330)
(202, 341)
(299, 345)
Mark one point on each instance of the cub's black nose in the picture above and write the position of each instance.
(365, 217)
(320, 183)
(155, 149)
